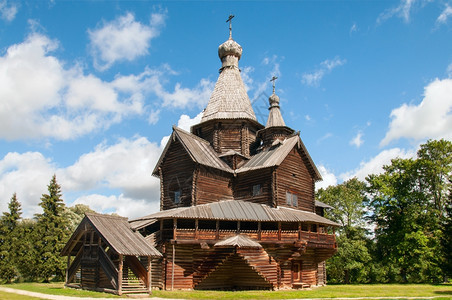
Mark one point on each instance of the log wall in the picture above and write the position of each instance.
(243, 186)
(177, 172)
(212, 186)
(294, 176)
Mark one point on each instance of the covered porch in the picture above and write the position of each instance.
(105, 254)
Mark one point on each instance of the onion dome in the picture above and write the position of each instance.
(230, 53)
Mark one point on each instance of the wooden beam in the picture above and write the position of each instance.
(149, 283)
(172, 271)
(121, 265)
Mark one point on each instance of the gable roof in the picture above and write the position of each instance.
(275, 155)
(238, 241)
(197, 148)
(236, 210)
(116, 232)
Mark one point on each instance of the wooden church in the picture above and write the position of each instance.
(237, 208)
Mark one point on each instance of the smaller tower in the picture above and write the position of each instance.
(275, 129)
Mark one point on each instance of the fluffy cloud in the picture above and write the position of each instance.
(27, 175)
(123, 168)
(7, 12)
(314, 78)
(123, 39)
(375, 164)
(432, 118)
(44, 97)
(357, 141)
(328, 178)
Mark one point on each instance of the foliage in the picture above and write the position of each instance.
(51, 231)
(446, 241)
(8, 237)
(408, 202)
(351, 263)
(75, 214)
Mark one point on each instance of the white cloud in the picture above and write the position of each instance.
(375, 164)
(185, 122)
(120, 205)
(314, 78)
(328, 178)
(43, 96)
(357, 140)
(123, 39)
(7, 12)
(403, 10)
(445, 14)
(124, 167)
(27, 175)
(432, 118)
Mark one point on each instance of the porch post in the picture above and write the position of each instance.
(121, 263)
(149, 275)
(68, 265)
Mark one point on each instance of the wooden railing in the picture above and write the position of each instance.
(264, 235)
(109, 267)
(74, 266)
(137, 268)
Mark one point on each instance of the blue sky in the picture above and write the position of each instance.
(89, 90)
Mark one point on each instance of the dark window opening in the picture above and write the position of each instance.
(257, 190)
(228, 225)
(304, 227)
(207, 224)
(176, 198)
(248, 226)
(289, 226)
(168, 224)
(152, 228)
(185, 224)
(313, 228)
(291, 199)
(269, 226)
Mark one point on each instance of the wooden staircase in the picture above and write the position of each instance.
(131, 283)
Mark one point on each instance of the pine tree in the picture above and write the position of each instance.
(8, 237)
(51, 232)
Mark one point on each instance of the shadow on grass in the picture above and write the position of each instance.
(443, 292)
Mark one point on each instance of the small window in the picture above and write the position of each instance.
(257, 190)
(291, 199)
(177, 197)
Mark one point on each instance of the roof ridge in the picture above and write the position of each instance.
(175, 128)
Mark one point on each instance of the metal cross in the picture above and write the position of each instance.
(230, 25)
(273, 81)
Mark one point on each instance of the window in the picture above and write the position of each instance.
(177, 197)
(291, 199)
(257, 190)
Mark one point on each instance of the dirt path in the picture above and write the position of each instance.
(58, 297)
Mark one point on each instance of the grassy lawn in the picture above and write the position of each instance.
(10, 296)
(332, 291)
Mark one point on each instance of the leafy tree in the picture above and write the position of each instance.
(75, 214)
(408, 203)
(446, 241)
(351, 262)
(25, 251)
(8, 236)
(52, 231)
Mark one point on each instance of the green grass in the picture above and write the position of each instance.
(56, 288)
(331, 291)
(9, 296)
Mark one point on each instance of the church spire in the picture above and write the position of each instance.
(229, 99)
(275, 118)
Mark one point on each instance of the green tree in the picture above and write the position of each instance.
(408, 205)
(75, 214)
(446, 241)
(25, 251)
(52, 231)
(351, 263)
(8, 236)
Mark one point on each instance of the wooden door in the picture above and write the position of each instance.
(296, 271)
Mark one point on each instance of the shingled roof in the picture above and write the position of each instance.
(274, 156)
(116, 232)
(236, 210)
(197, 148)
